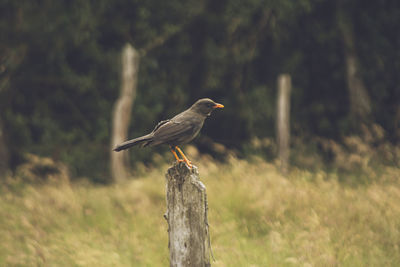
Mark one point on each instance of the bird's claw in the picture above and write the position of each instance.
(189, 164)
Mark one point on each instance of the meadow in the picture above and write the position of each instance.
(257, 218)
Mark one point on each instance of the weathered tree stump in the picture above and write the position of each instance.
(189, 242)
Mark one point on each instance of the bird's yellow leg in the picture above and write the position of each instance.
(176, 156)
(185, 159)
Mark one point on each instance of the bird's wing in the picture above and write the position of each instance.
(159, 124)
(171, 130)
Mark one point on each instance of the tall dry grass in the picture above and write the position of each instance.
(257, 218)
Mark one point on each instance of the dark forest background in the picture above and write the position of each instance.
(60, 74)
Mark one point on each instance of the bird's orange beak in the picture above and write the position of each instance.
(217, 105)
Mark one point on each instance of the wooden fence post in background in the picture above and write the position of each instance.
(122, 111)
(4, 157)
(189, 240)
(283, 121)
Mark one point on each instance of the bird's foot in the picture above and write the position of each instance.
(188, 163)
(185, 159)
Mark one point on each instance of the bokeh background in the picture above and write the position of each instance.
(60, 74)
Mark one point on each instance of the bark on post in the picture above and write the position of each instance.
(189, 243)
(122, 112)
(283, 121)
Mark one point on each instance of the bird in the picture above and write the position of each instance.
(179, 130)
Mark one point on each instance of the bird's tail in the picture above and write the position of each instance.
(137, 141)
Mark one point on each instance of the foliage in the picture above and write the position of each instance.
(59, 70)
(257, 218)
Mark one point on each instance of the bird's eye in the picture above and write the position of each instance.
(209, 105)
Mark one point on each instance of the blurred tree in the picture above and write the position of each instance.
(376, 27)
(122, 112)
(360, 103)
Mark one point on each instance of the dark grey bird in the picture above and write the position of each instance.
(179, 130)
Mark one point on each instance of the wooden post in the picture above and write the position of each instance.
(283, 121)
(122, 112)
(3, 153)
(189, 242)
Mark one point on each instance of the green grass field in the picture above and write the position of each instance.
(257, 218)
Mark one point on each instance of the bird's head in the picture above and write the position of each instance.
(205, 106)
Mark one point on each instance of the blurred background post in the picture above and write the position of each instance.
(4, 167)
(283, 121)
(122, 112)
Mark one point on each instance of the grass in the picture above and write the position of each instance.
(257, 218)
